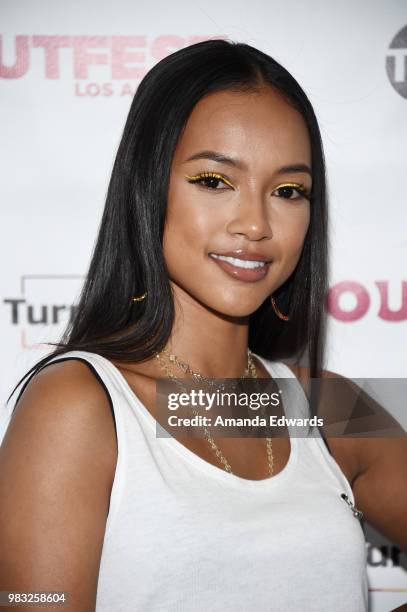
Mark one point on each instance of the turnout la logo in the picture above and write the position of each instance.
(396, 62)
(46, 304)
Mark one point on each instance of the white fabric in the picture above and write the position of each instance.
(183, 535)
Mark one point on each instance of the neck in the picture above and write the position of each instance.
(211, 343)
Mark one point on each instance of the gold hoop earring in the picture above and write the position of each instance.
(278, 312)
(139, 298)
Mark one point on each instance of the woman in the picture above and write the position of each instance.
(220, 165)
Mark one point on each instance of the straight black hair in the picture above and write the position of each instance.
(128, 260)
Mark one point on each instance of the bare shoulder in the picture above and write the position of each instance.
(67, 400)
(57, 464)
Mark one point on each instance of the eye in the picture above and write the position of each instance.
(210, 180)
(287, 190)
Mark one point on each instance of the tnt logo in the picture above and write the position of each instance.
(396, 62)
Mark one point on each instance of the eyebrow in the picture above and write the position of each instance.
(223, 159)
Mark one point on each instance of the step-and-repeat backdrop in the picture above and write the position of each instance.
(67, 76)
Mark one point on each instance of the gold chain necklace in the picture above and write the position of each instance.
(186, 368)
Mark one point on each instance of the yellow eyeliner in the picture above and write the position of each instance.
(202, 175)
(293, 185)
(299, 186)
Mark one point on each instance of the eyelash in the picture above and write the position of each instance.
(299, 187)
(204, 175)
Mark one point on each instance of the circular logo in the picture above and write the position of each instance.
(396, 62)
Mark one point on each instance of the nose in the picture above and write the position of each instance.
(251, 219)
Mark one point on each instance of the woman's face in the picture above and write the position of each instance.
(249, 204)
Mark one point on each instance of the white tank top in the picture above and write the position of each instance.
(183, 535)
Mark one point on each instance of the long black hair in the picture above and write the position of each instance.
(128, 259)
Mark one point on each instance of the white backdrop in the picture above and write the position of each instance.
(67, 75)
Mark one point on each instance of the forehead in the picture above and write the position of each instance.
(246, 125)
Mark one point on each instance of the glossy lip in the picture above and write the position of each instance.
(243, 274)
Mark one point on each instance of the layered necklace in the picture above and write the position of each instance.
(165, 358)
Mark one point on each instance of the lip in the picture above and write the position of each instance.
(243, 274)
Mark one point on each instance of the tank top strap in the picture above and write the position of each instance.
(99, 365)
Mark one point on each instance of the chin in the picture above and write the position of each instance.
(233, 309)
(221, 301)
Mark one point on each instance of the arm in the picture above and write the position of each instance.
(57, 465)
(380, 488)
(377, 470)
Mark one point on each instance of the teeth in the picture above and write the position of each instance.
(240, 263)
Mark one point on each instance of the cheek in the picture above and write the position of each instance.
(290, 232)
(188, 230)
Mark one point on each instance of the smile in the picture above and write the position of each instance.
(241, 269)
